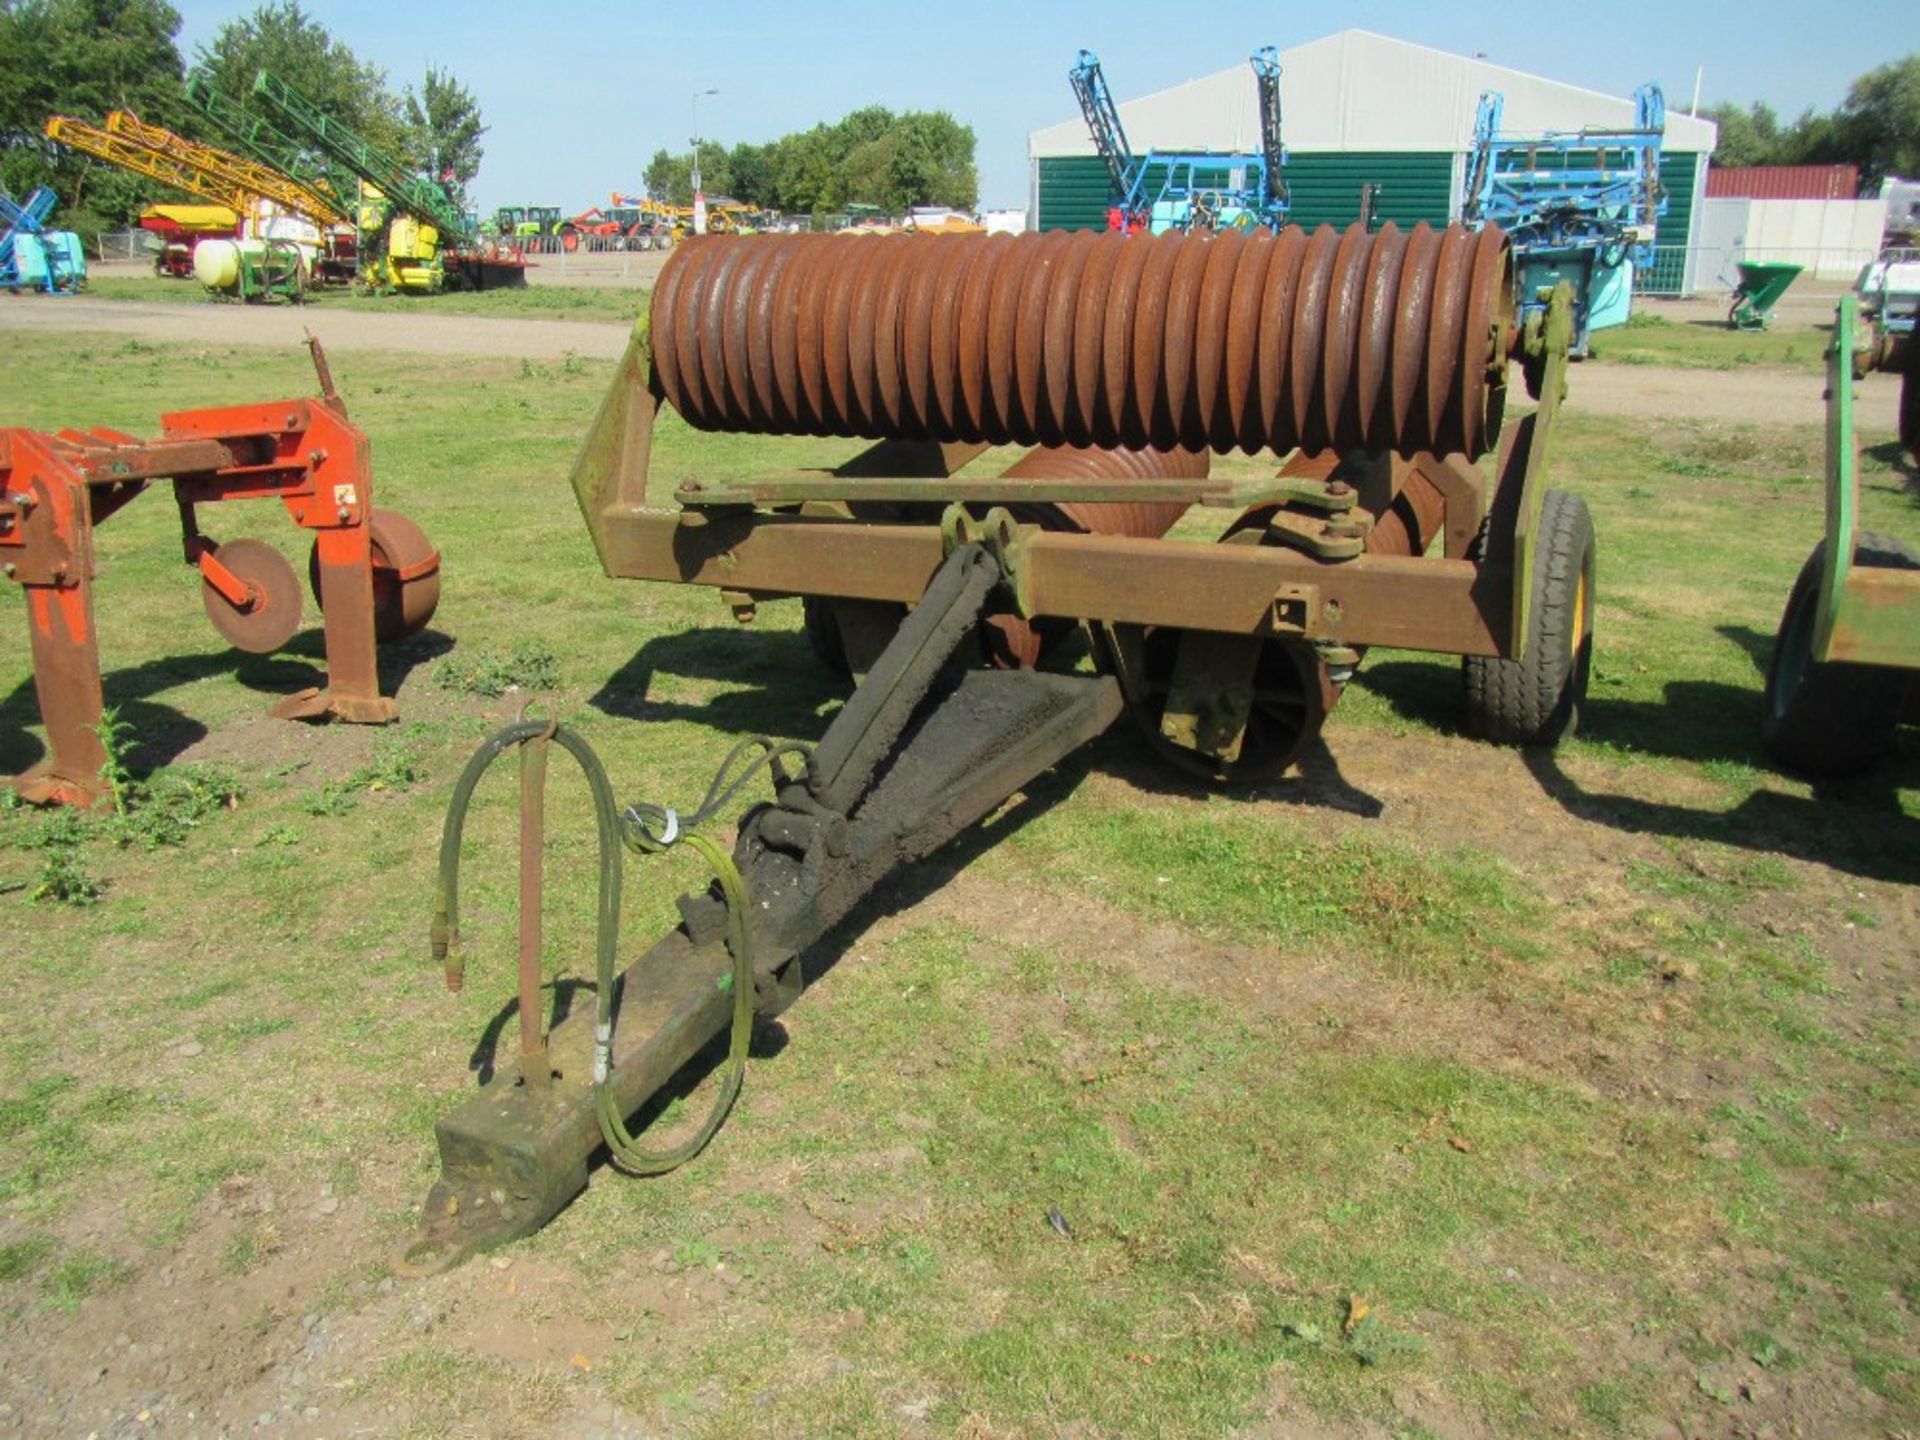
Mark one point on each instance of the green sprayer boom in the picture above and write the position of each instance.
(254, 135)
(417, 196)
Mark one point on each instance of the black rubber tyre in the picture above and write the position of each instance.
(1830, 719)
(1537, 698)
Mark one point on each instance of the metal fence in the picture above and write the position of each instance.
(126, 245)
(1680, 270)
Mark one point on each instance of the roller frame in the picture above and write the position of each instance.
(930, 742)
(723, 532)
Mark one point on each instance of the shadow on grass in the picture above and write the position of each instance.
(786, 688)
(160, 732)
(781, 684)
(486, 1050)
(1893, 455)
(1853, 825)
(395, 661)
(1314, 781)
(1721, 327)
(1701, 721)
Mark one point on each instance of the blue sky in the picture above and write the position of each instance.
(580, 93)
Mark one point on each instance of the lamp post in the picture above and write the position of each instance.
(699, 200)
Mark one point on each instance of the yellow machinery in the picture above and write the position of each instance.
(413, 257)
(233, 185)
(411, 260)
(255, 178)
(130, 155)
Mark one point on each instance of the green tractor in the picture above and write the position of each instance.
(536, 228)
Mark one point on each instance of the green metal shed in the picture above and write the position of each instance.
(1362, 109)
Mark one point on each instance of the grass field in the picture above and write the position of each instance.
(1653, 339)
(1438, 1091)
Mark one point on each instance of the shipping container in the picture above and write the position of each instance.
(1783, 182)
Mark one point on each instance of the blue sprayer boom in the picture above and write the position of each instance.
(1580, 206)
(1187, 189)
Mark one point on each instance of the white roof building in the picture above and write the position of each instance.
(1360, 109)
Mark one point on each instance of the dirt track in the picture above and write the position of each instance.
(280, 325)
(1753, 394)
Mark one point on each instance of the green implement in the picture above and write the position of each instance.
(1762, 283)
(1839, 681)
(254, 135)
(410, 193)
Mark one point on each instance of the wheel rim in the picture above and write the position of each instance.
(271, 615)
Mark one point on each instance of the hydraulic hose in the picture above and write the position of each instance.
(647, 829)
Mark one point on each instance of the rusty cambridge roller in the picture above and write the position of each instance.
(1366, 373)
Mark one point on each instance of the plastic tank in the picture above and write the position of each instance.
(30, 261)
(67, 257)
(216, 263)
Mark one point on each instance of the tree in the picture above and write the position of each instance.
(281, 37)
(749, 175)
(934, 162)
(444, 121)
(806, 172)
(1876, 128)
(1878, 125)
(669, 176)
(83, 58)
(1747, 137)
(870, 157)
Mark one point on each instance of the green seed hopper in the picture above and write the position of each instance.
(1762, 283)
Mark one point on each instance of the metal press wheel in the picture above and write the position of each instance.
(270, 615)
(406, 576)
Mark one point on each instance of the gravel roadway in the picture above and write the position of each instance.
(279, 325)
(1755, 394)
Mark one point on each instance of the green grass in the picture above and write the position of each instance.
(1591, 1125)
(1699, 344)
(523, 665)
(1223, 873)
(621, 303)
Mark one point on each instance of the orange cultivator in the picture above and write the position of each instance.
(374, 574)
